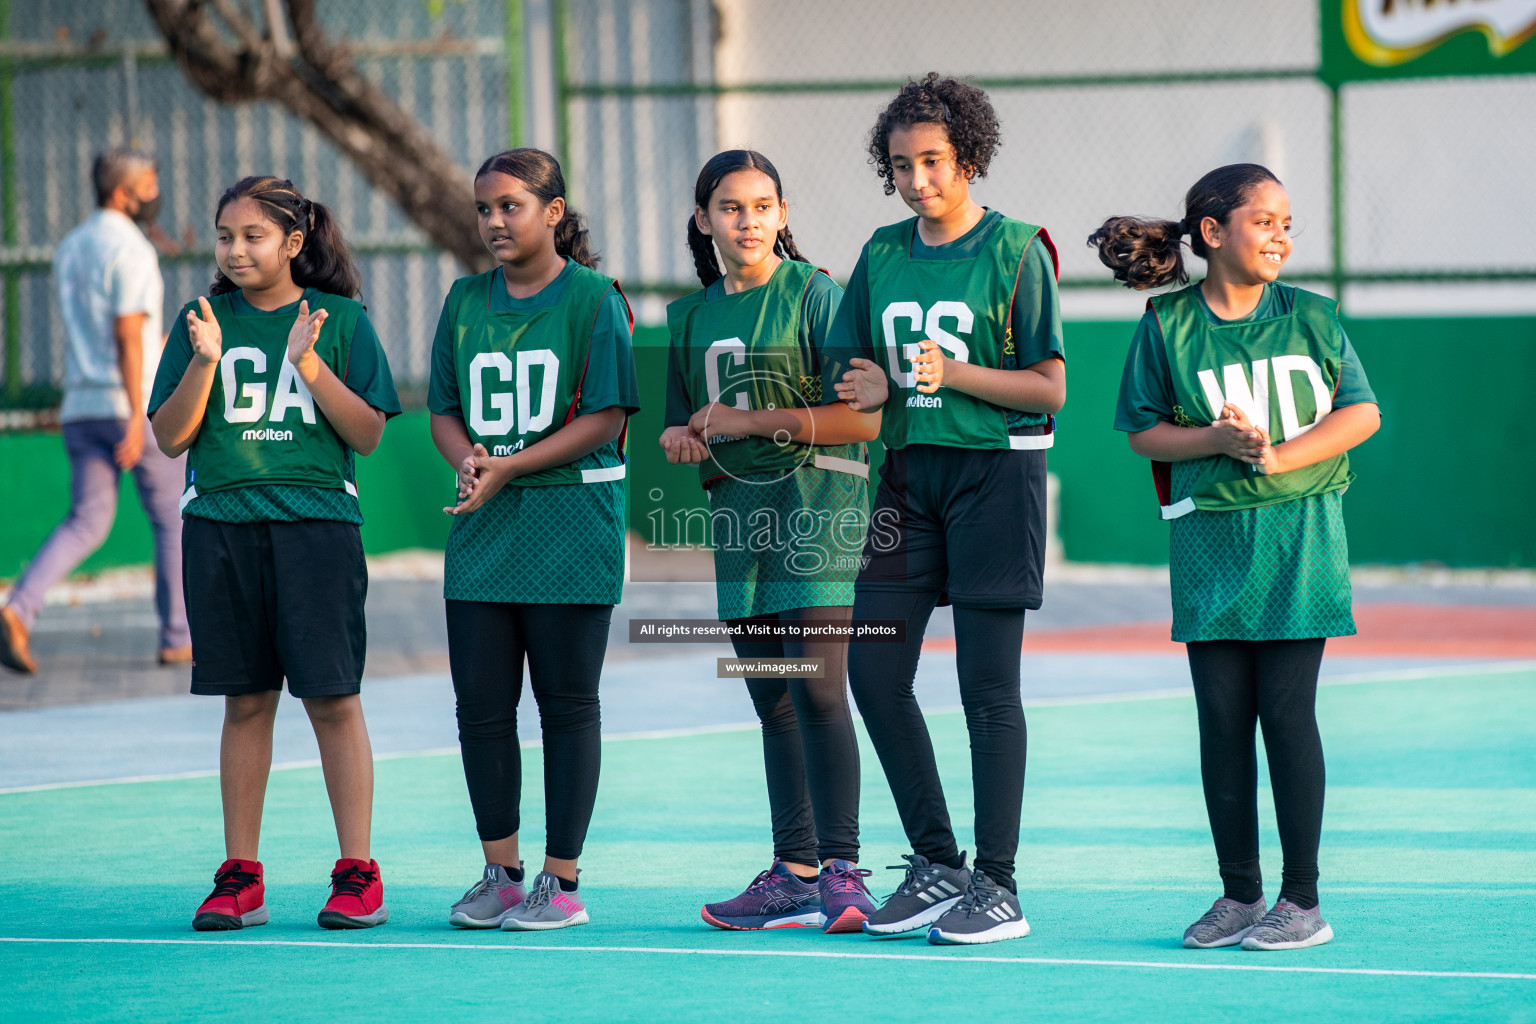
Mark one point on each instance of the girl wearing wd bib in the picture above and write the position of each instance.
(786, 478)
(533, 381)
(1246, 394)
(271, 384)
(960, 511)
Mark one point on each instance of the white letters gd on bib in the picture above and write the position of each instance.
(505, 413)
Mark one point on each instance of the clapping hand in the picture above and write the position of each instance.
(301, 340)
(205, 334)
(481, 478)
(1240, 439)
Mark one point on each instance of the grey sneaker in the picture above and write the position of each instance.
(927, 891)
(547, 906)
(489, 900)
(1287, 926)
(1224, 924)
(987, 913)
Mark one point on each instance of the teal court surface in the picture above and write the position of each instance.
(1428, 861)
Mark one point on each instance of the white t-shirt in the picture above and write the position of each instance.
(104, 269)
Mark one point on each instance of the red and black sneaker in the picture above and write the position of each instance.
(237, 901)
(357, 896)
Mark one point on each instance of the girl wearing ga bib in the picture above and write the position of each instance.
(533, 381)
(1247, 396)
(959, 515)
(271, 384)
(786, 477)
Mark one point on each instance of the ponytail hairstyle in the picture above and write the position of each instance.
(1146, 253)
(729, 162)
(324, 261)
(540, 172)
(962, 110)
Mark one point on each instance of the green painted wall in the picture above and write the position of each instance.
(1444, 481)
(399, 486)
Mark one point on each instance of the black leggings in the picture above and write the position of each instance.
(810, 750)
(987, 642)
(1273, 683)
(564, 644)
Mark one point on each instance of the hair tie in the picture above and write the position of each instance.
(1180, 229)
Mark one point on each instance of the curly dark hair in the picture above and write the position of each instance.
(963, 110)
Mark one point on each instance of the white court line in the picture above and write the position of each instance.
(1384, 676)
(804, 954)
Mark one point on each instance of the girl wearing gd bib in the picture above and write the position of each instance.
(533, 380)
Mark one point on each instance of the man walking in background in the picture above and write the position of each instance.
(107, 278)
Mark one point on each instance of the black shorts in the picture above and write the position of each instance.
(272, 600)
(966, 523)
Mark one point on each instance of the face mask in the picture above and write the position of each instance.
(147, 211)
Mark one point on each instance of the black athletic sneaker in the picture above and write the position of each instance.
(987, 913)
(926, 893)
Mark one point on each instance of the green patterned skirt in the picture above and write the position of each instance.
(560, 544)
(1276, 572)
(787, 542)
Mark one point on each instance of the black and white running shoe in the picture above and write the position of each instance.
(987, 913)
(922, 897)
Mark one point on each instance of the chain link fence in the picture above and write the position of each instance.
(80, 76)
(1107, 107)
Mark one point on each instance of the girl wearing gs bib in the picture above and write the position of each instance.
(744, 403)
(959, 514)
(533, 381)
(271, 385)
(1247, 395)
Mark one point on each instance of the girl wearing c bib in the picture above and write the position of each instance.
(786, 479)
(1247, 396)
(533, 381)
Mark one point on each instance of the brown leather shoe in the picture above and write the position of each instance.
(15, 651)
(176, 655)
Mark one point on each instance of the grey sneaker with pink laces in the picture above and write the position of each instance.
(547, 906)
(489, 900)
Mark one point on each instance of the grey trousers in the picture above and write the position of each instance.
(94, 480)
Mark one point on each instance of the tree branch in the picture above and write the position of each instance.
(320, 83)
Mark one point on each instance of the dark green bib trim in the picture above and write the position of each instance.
(1282, 370)
(745, 350)
(261, 425)
(965, 306)
(520, 373)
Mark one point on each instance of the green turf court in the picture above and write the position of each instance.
(1429, 878)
